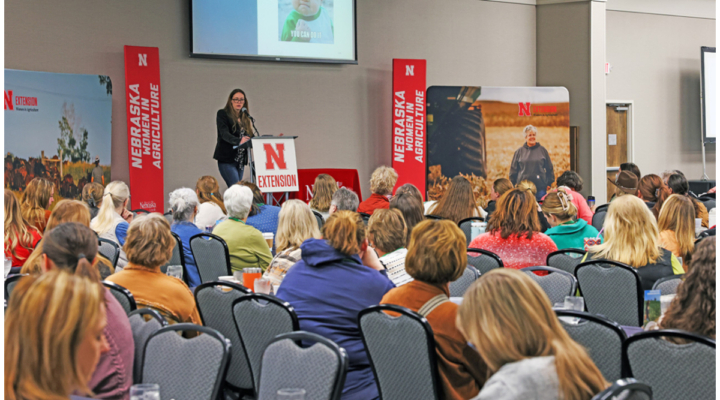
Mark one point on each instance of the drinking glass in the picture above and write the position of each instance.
(262, 285)
(8, 265)
(145, 391)
(291, 394)
(574, 303)
(175, 270)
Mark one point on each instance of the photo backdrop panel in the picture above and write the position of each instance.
(478, 132)
(56, 127)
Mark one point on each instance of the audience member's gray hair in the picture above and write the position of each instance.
(182, 203)
(345, 199)
(238, 201)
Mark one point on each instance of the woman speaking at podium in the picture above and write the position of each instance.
(234, 131)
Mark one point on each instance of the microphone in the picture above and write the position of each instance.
(244, 110)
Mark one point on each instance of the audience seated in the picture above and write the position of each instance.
(343, 199)
(508, 318)
(653, 192)
(693, 308)
(148, 246)
(513, 232)
(20, 237)
(387, 234)
(262, 217)
(247, 247)
(566, 232)
(297, 223)
(411, 209)
(411, 189)
(73, 247)
(382, 182)
(323, 190)
(211, 207)
(437, 256)
(679, 185)
(35, 202)
(66, 211)
(184, 206)
(625, 183)
(338, 277)
(632, 238)
(677, 227)
(92, 195)
(114, 218)
(458, 202)
(498, 188)
(530, 187)
(573, 184)
(54, 337)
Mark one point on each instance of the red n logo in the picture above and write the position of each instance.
(8, 100)
(524, 110)
(278, 156)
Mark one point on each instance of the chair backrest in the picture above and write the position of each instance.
(674, 371)
(557, 283)
(178, 258)
(216, 311)
(258, 319)
(430, 216)
(143, 322)
(400, 343)
(319, 218)
(109, 250)
(10, 283)
(565, 259)
(485, 262)
(466, 226)
(602, 338)
(458, 287)
(611, 289)
(168, 216)
(123, 296)
(668, 284)
(626, 389)
(598, 218)
(365, 218)
(186, 368)
(319, 368)
(212, 256)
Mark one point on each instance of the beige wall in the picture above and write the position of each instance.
(656, 63)
(341, 113)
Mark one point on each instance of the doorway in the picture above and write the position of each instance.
(619, 141)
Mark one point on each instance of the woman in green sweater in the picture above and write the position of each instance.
(566, 232)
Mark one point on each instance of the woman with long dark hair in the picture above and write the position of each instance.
(234, 130)
(458, 202)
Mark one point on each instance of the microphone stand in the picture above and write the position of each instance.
(251, 153)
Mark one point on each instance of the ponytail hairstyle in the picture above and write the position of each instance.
(345, 232)
(73, 247)
(35, 200)
(235, 115)
(17, 229)
(207, 189)
(114, 196)
(92, 194)
(508, 318)
(560, 205)
(653, 189)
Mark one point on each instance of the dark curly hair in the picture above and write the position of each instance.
(571, 179)
(693, 309)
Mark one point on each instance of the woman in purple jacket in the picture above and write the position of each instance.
(338, 277)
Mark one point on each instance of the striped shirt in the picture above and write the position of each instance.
(395, 264)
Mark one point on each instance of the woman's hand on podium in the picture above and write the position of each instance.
(244, 140)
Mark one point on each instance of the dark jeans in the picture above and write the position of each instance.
(232, 173)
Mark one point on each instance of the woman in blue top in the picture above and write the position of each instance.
(184, 205)
(337, 277)
(566, 232)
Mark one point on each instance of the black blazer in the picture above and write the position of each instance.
(227, 137)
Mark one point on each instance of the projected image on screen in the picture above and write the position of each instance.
(709, 62)
(282, 30)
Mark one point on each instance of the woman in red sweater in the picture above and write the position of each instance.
(513, 232)
(20, 237)
(382, 182)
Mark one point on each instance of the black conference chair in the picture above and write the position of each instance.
(211, 255)
(599, 217)
(557, 283)
(365, 218)
(109, 250)
(10, 283)
(668, 284)
(430, 216)
(626, 389)
(565, 259)
(178, 258)
(485, 261)
(611, 289)
(466, 226)
(123, 296)
(143, 323)
(460, 286)
(319, 218)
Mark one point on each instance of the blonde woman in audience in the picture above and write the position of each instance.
(92, 195)
(529, 187)
(148, 246)
(35, 202)
(632, 238)
(437, 256)
(677, 227)
(53, 336)
(20, 237)
(387, 234)
(323, 190)
(382, 182)
(113, 219)
(566, 232)
(458, 202)
(508, 318)
(66, 211)
(678, 184)
(211, 207)
(296, 224)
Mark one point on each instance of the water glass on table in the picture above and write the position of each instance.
(574, 303)
(291, 394)
(262, 285)
(175, 270)
(145, 391)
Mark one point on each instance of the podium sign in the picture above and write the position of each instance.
(275, 164)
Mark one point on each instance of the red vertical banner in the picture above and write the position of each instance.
(408, 122)
(144, 122)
